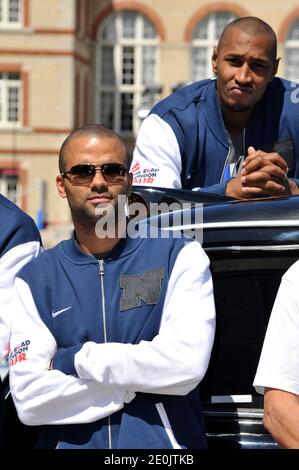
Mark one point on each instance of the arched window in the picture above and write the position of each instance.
(126, 62)
(292, 52)
(205, 36)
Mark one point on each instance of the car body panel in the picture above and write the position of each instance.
(250, 245)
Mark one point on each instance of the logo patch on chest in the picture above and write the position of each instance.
(138, 287)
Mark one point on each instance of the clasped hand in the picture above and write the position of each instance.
(262, 174)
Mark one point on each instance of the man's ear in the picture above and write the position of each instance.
(214, 60)
(60, 186)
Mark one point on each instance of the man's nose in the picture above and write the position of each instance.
(98, 180)
(243, 74)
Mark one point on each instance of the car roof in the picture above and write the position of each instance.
(261, 221)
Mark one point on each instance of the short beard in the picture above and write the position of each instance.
(237, 108)
(110, 219)
(88, 219)
(80, 217)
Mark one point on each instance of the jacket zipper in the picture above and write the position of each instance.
(101, 271)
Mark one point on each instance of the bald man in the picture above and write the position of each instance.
(102, 351)
(237, 134)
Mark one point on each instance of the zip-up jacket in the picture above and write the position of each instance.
(131, 337)
(183, 142)
(19, 243)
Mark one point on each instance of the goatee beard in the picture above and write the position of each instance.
(237, 108)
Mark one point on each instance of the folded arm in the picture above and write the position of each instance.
(175, 361)
(44, 396)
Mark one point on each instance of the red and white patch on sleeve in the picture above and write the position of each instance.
(144, 175)
(18, 353)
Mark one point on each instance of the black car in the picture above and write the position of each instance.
(250, 245)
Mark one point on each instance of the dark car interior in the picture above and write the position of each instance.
(245, 286)
(244, 298)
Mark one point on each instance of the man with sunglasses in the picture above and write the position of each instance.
(112, 333)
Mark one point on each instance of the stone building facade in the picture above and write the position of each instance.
(66, 63)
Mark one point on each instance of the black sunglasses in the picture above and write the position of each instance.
(112, 172)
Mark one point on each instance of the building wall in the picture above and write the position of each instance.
(176, 18)
(43, 51)
(54, 52)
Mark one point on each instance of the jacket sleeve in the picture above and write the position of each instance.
(175, 361)
(157, 158)
(10, 263)
(44, 396)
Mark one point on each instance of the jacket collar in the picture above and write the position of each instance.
(213, 113)
(71, 250)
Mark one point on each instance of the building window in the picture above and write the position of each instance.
(126, 61)
(292, 53)
(10, 98)
(9, 182)
(205, 36)
(10, 13)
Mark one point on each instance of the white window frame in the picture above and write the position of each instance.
(4, 181)
(5, 85)
(209, 43)
(4, 22)
(137, 88)
(291, 44)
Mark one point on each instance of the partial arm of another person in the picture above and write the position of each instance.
(281, 417)
(277, 373)
(176, 360)
(263, 174)
(157, 149)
